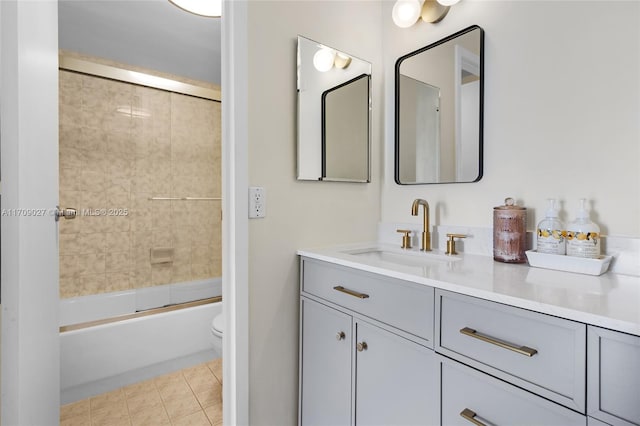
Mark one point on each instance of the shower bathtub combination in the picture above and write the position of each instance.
(138, 289)
(105, 344)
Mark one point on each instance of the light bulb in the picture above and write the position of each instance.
(209, 8)
(447, 2)
(405, 13)
(323, 59)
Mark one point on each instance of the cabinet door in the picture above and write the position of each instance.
(325, 365)
(395, 380)
(613, 376)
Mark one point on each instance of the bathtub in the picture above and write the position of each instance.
(104, 357)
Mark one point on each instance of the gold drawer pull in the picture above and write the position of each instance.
(351, 292)
(471, 416)
(522, 350)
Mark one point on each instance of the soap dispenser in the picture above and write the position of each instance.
(550, 238)
(583, 236)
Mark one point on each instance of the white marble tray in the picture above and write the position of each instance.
(580, 265)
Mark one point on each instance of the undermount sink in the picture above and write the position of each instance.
(408, 257)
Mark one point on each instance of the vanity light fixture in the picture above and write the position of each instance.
(405, 13)
(207, 8)
(326, 58)
(342, 60)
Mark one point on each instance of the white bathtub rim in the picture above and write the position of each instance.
(81, 309)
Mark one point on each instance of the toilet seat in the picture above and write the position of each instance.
(217, 325)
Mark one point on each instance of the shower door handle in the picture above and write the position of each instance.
(68, 213)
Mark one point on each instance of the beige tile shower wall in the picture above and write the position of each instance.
(120, 145)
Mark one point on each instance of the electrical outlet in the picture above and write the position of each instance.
(257, 202)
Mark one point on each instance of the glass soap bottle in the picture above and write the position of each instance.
(509, 232)
(583, 236)
(550, 232)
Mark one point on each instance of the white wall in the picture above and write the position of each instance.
(299, 214)
(562, 106)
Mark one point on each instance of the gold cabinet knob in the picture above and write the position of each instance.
(406, 238)
(340, 335)
(361, 346)
(451, 243)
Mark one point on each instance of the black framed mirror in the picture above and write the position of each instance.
(439, 111)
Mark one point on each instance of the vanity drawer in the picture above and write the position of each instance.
(472, 397)
(401, 304)
(541, 353)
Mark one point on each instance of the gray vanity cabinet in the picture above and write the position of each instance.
(613, 376)
(366, 358)
(357, 369)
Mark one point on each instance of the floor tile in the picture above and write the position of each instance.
(175, 390)
(177, 398)
(203, 381)
(195, 419)
(81, 420)
(151, 416)
(139, 388)
(216, 368)
(115, 397)
(75, 409)
(180, 407)
(214, 413)
(143, 401)
(210, 396)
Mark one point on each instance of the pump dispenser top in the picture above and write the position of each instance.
(582, 211)
(552, 211)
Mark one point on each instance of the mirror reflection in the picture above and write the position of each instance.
(439, 111)
(333, 114)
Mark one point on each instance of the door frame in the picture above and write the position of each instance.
(30, 342)
(235, 224)
(29, 234)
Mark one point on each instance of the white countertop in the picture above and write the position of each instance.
(609, 300)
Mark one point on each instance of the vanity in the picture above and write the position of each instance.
(402, 337)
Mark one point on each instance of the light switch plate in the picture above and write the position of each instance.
(257, 202)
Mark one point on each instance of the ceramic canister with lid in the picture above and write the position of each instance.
(509, 232)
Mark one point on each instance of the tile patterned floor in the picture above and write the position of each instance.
(192, 396)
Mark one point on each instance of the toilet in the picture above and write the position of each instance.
(217, 327)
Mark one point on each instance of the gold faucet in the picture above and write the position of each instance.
(426, 235)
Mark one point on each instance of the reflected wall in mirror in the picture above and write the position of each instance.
(439, 110)
(334, 114)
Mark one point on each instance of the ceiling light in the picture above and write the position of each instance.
(208, 8)
(448, 2)
(405, 13)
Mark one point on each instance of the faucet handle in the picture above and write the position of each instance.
(451, 243)
(406, 238)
